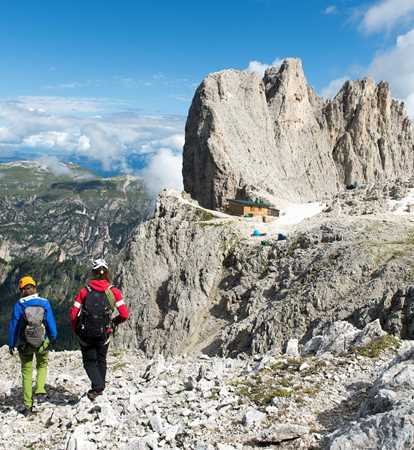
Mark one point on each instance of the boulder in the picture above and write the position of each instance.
(387, 416)
(341, 336)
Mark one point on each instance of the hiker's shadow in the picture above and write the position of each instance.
(56, 395)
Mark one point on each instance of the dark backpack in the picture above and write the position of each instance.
(95, 316)
(33, 331)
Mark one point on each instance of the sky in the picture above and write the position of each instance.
(110, 83)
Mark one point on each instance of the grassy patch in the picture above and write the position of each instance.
(278, 381)
(292, 247)
(378, 346)
(214, 394)
(117, 352)
(118, 366)
(409, 275)
(262, 393)
(211, 224)
(281, 393)
(204, 216)
(388, 250)
(278, 365)
(285, 382)
(311, 391)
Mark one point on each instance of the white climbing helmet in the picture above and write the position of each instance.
(98, 263)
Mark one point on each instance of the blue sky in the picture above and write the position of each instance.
(152, 54)
(109, 79)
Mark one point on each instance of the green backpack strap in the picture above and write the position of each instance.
(110, 296)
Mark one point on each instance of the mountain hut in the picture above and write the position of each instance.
(250, 208)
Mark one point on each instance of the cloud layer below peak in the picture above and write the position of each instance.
(72, 129)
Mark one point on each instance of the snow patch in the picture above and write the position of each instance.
(402, 207)
(297, 212)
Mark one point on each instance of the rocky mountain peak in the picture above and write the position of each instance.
(275, 139)
(289, 76)
(288, 92)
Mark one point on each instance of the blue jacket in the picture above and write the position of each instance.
(18, 314)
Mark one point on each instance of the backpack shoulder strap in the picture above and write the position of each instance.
(110, 296)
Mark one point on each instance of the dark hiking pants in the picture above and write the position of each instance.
(94, 362)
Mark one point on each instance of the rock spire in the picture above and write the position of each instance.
(275, 139)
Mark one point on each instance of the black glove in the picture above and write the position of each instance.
(11, 350)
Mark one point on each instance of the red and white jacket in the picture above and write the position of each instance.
(100, 286)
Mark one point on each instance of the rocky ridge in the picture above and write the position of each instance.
(287, 401)
(275, 139)
(206, 285)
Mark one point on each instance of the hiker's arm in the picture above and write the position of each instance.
(123, 313)
(14, 326)
(77, 305)
(50, 323)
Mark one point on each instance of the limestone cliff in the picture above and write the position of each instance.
(172, 270)
(274, 138)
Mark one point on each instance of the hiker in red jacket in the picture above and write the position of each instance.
(93, 321)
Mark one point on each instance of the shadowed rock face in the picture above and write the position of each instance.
(274, 138)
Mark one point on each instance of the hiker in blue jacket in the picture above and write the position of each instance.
(31, 328)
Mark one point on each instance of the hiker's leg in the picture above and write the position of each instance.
(26, 358)
(90, 363)
(102, 351)
(41, 366)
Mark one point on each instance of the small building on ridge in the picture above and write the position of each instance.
(250, 208)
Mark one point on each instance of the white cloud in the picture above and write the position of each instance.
(396, 65)
(330, 10)
(54, 165)
(62, 105)
(6, 135)
(104, 146)
(406, 40)
(386, 14)
(48, 139)
(163, 171)
(175, 141)
(63, 127)
(333, 87)
(259, 68)
(84, 143)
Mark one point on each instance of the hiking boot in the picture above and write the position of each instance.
(27, 412)
(92, 394)
(41, 398)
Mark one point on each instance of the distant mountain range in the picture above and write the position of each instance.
(135, 162)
